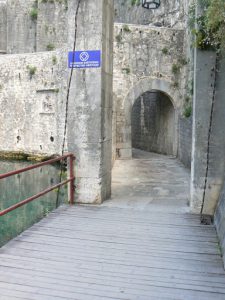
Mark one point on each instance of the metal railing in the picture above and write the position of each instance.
(70, 180)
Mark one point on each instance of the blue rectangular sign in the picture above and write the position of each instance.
(84, 59)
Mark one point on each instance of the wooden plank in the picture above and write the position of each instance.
(128, 273)
(96, 253)
(190, 247)
(112, 252)
(165, 263)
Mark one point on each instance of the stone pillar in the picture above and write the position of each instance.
(204, 83)
(90, 102)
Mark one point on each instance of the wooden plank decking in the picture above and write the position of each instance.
(114, 252)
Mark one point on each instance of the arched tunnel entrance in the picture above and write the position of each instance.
(153, 124)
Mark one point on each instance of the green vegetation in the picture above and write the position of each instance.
(32, 70)
(54, 60)
(50, 47)
(119, 38)
(126, 70)
(126, 28)
(175, 69)
(165, 51)
(211, 26)
(135, 2)
(187, 111)
(182, 61)
(34, 14)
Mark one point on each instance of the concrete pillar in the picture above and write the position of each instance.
(204, 83)
(90, 102)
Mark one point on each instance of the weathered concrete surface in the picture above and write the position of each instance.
(90, 102)
(171, 13)
(34, 26)
(153, 124)
(21, 28)
(141, 65)
(220, 221)
(150, 181)
(185, 141)
(3, 26)
(204, 84)
(52, 24)
(140, 245)
(32, 104)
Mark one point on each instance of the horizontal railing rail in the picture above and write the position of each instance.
(70, 180)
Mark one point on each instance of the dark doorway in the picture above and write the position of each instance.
(153, 123)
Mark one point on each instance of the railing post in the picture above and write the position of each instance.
(72, 184)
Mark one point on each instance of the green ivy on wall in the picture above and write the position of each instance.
(211, 25)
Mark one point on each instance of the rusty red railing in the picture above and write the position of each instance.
(70, 180)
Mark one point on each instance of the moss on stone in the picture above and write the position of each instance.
(22, 156)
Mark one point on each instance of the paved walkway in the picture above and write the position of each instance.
(142, 244)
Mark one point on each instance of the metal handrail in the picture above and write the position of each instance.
(48, 162)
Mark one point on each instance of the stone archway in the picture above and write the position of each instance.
(124, 139)
(153, 123)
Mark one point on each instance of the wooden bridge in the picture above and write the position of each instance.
(143, 244)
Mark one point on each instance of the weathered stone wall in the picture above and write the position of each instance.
(185, 141)
(52, 24)
(145, 58)
(33, 88)
(171, 13)
(32, 106)
(220, 221)
(153, 124)
(35, 25)
(3, 26)
(21, 29)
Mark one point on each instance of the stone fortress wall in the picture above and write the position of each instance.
(148, 46)
(138, 56)
(170, 14)
(33, 52)
(35, 37)
(33, 79)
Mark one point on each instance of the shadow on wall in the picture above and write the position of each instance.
(153, 123)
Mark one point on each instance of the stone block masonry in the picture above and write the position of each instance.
(145, 58)
(153, 124)
(32, 101)
(33, 26)
(33, 87)
(171, 13)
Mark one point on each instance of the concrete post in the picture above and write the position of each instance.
(204, 83)
(205, 65)
(90, 102)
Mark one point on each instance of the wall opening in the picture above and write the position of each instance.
(153, 123)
